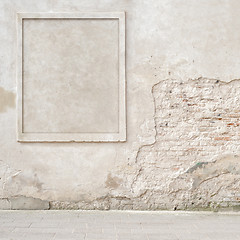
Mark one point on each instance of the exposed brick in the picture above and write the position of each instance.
(196, 122)
(222, 138)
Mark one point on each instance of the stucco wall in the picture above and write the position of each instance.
(182, 114)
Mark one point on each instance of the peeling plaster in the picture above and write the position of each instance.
(186, 185)
(205, 171)
(192, 180)
(6, 174)
(158, 163)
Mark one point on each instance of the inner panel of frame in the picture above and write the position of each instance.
(70, 76)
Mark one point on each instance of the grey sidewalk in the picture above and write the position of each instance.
(54, 225)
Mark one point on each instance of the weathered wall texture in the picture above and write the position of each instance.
(183, 115)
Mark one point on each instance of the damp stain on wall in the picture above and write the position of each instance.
(7, 100)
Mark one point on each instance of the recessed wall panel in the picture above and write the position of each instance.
(71, 77)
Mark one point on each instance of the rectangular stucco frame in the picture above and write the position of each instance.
(119, 136)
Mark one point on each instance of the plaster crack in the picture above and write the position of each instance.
(214, 194)
(155, 125)
(210, 178)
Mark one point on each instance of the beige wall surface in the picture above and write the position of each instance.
(79, 77)
(182, 101)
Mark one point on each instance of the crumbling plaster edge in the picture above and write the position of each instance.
(154, 103)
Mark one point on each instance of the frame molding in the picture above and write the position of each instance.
(72, 137)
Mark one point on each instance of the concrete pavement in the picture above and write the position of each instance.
(119, 225)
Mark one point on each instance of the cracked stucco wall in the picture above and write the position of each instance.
(183, 112)
(194, 160)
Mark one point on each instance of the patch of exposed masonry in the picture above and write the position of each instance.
(193, 162)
